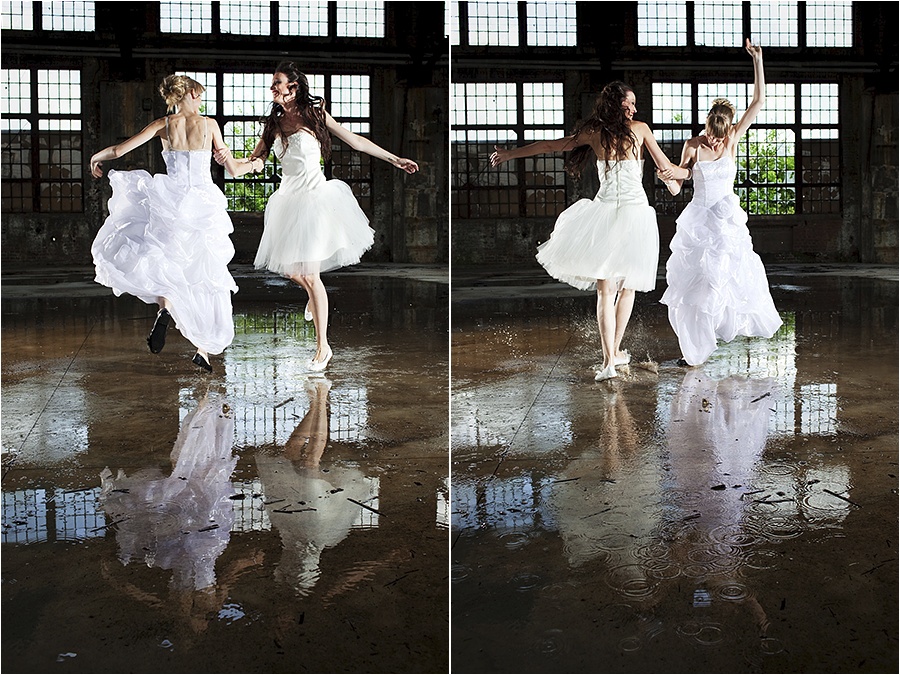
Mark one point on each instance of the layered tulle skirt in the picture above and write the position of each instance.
(596, 239)
(309, 230)
(165, 239)
(717, 285)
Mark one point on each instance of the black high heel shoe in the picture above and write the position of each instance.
(203, 363)
(157, 338)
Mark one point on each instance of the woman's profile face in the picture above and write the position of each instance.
(281, 88)
(629, 105)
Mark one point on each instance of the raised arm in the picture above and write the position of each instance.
(363, 144)
(759, 91)
(150, 131)
(236, 167)
(501, 155)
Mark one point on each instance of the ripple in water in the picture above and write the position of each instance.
(630, 644)
(770, 646)
(761, 560)
(459, 573)
(734, 535)
(525, 581)
(630, 581)
(552, 642)
(734, 592)
(514, 540)
(777, 528)
(709, 635)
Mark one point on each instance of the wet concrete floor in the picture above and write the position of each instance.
(258, 519)
(736, 517)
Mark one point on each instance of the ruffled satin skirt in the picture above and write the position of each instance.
(717, 285)
(165, 239)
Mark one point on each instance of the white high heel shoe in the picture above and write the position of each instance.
(622, 360)
(319, 366)
(307, 313)
(607, 373)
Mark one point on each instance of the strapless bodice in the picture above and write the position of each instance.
(301, 160)
(713, 180)
(622, 183)
(188, 167)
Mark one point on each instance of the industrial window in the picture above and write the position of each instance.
(506, 113)
(662, 24)
(788, 161)
(452, 9)
(551, 24)
(306, 18)
(718, 23)
(244, 17)
(349, 103)
(774, 24)
(723, 24)
(356, 19)
(69, 15)
(309, 19)
(210, 97)
(17, 15)
(186, 16)
(493, 23)
(42, 154)
(500, 24)
(829, 23)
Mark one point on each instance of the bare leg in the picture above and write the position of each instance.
(624, 305)
(606, 319)
(318, 305)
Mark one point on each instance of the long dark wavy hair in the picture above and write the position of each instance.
(609, 121)
(310, 108)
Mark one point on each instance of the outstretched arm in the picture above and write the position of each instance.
(150, 131)
(236, 167)
(759, 90)
(659, 157)
(667, 175)
(501, 155)
(363, 144)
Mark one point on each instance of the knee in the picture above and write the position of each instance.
(305, 280)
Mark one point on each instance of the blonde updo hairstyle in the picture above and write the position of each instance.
(175, 87)
(720, 118)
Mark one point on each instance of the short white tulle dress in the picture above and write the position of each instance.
(167, 236)
(612, 236)
(311, 224)
(717, 286)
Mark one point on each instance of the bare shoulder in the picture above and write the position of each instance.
(641, 128)
(693, 142)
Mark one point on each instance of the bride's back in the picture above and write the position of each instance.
(187, 132)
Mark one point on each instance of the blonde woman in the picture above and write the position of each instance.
(717, 286)
(166, 240)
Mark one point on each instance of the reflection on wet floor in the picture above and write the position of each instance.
(259, 519)
(734, 517)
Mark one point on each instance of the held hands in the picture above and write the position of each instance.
(221, 155)
(673, 173)
(499, 156)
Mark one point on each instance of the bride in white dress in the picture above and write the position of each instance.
(612, 240)
(717, 286)
(312, 225)
(166, 240)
